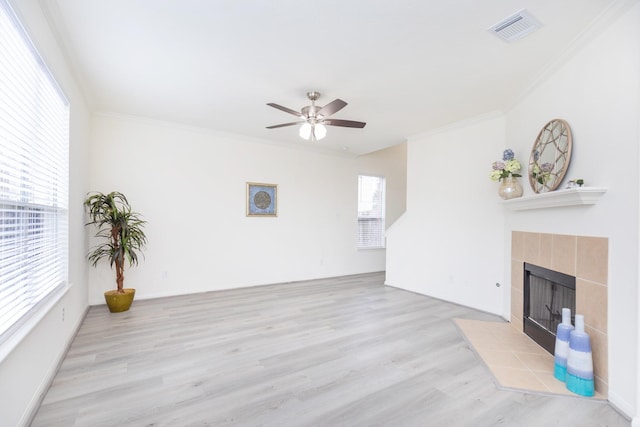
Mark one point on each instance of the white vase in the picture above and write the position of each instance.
(510, 188)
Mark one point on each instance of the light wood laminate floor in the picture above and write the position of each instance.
(346, 351)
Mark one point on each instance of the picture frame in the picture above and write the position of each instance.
(262, 199)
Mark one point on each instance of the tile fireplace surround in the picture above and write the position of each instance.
(586, 258)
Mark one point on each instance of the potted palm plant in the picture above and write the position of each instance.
(123, 237)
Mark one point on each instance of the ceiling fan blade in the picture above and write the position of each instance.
(344, 123)
(332, 107)
(284, 124)
(285, 109)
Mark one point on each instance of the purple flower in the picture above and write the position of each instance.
(507, 154)
(496, 166)
(547, 167)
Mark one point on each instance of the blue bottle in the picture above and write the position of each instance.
(561, 352)
(580, 361)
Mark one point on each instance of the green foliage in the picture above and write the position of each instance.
(119, 227)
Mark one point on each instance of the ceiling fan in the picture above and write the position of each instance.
(314, 118)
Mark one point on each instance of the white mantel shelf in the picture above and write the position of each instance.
(554, 199)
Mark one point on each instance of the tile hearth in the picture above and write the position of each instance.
(514, 359)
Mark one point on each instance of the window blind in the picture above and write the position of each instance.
(371, 211)
(34, 153)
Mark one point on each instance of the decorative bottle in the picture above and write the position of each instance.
(580, 361)
(562, 346)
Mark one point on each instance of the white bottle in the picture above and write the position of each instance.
(561, 352)
(580, 361)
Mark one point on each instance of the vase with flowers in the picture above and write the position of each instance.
(506, 171)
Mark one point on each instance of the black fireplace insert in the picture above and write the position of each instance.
(546, 293)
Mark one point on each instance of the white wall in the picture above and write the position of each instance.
(597, 92)
(189, 184)
(449, 244)
(27, 370)
(452, 213)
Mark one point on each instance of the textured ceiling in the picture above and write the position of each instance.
(404, 67)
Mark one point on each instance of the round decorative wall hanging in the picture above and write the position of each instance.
(550, 156)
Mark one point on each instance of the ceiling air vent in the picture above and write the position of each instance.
(516, 26)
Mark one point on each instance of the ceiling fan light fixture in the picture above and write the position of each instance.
(313, 132)
(320, 131)
(305, 131)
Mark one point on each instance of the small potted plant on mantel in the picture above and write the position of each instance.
(123, 237)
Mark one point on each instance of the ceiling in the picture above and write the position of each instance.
(404, 67)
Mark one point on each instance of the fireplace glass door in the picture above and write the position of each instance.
(546, 293)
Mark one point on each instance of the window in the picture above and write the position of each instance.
(34, 163)
(370, 212)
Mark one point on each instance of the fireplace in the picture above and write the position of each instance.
(586, 258)
(546, 293)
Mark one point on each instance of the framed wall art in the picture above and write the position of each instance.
(262, 199)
